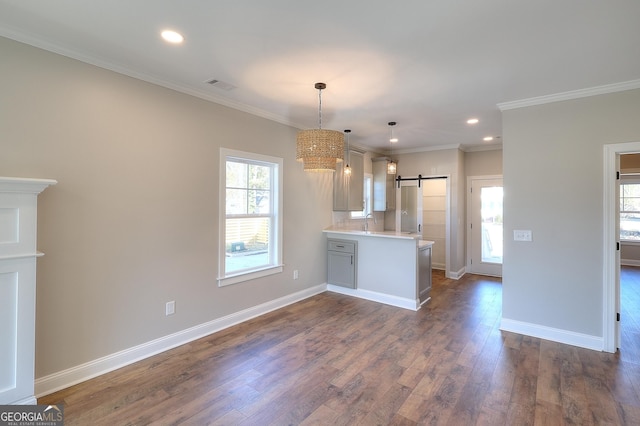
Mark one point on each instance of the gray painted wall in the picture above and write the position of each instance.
(133, 221)
(553, 186)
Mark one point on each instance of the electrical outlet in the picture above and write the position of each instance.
(521, 235)
(295, 274)
(170, 308)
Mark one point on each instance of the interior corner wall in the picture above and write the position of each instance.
(133, 220)
(439, 163)
(553, 186)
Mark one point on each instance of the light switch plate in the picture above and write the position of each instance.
(521, 235)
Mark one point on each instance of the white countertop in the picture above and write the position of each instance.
(383, 234)
(425, 243)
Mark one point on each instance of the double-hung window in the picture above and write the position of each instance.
(251, 216)
(630, 210)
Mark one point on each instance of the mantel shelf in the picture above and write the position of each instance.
(24, 185)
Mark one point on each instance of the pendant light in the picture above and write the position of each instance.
(319, 149)
(392, 165)
(347, 168)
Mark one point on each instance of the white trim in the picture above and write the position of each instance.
(484, 147)
(24, 185)
(71, 376)
(629, 242)
(573, 94)
(246, 276)
(22, 256)
(629, 262)
(26, 401)
(427, 149)
(400, 302)
(276, 238)
(456, 275)
(553, 334)
(609, 267)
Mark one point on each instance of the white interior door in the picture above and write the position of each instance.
(485, 237)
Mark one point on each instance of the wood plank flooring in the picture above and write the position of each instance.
(336, 360)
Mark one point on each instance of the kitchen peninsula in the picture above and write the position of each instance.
(391, 267)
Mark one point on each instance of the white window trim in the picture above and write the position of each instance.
(629, 179)
(228, 279)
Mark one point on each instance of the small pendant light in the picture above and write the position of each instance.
(347, 168)
(391, 165)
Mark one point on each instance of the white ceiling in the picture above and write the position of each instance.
(427, 64)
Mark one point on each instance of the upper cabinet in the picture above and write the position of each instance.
(348, 191)
(384, 190)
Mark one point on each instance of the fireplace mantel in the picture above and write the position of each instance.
(18, 253)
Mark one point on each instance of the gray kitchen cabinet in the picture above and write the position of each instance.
(341, 262)
(424, 272)
(384, 189)
(348, 191)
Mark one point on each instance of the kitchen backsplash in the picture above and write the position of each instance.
(345, 221)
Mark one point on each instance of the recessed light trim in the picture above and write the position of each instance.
(473, 121)
(487, 138)
(172, 36)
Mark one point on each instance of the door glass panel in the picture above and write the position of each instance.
(409, 210)
(491, 212)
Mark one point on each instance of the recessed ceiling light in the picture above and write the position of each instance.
(472, 121)
(487, 138)
(172, 36)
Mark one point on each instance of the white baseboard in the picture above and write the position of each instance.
(457, 275)
(554, 334)
(26, 401)
(439, 266)
(400, 302)
(629, 262)
(69, 377)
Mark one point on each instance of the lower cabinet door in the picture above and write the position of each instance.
(341, 269)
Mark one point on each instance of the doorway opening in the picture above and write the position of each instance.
(423, 206)
(611, 320)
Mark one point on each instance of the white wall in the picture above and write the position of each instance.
(133, 221)
(553, 186)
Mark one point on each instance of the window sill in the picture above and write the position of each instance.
(246, 276)
(630, 242)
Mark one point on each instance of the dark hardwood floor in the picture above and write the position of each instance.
(336, 360)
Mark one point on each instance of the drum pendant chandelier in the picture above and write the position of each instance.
(318, 149)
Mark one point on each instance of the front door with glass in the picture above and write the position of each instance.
(485, 226)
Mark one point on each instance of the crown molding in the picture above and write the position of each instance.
(478, 148)
(574, 94)
(426, 149)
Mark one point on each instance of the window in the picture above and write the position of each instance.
(368, 197)
(630, 211)
(251, 226)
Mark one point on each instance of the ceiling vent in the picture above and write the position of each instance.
(221, 85)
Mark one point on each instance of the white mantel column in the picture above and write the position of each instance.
(18, 218)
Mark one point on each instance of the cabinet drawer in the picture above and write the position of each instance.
(342, 246)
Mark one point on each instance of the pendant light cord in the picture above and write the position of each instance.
(320, 108)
